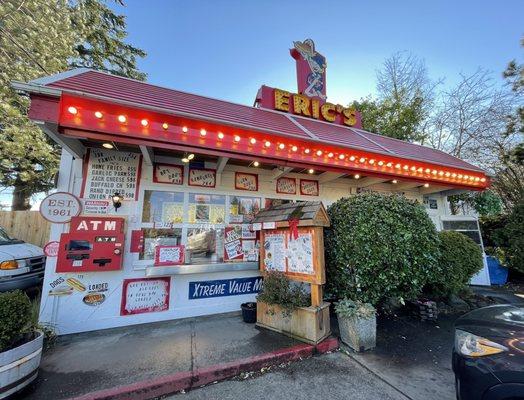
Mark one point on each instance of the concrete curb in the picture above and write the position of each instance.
(193, 379)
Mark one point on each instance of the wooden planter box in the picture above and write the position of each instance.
(308, 324)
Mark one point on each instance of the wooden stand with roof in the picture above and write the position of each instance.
(298, 229)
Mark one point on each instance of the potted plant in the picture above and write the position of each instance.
(285, 307)
(20, 343)
(357, 324)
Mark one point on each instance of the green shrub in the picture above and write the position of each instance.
(15, 317)
(514, 232)
(279, 290)
(460, 259)
(378, 247)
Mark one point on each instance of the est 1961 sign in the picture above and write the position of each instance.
(60, 207)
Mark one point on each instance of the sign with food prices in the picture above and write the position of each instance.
(109, 172)
(169, 255)
(168, 173)
(100, 207)
(287, 185)
(300, 254)
(275, 251)
(145, 295)
(233, 243)
(245, 181)
(224, 287)
(308, 187)
(60, 207)
(202, 177)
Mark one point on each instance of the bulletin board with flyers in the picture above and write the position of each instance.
(293, 242)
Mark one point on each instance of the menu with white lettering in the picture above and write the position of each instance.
(275, 251)
(110, 172)
(300, 254)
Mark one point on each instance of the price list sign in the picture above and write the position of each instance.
(110, 172)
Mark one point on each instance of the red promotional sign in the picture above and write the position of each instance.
(51, 249)
(145, 295)
(169, 255)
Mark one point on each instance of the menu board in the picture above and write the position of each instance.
(145, 295)
(245, 181)
(109, 172)
(275, 251)
(287, 185)
(168, 173)
(308, 187)
(202, 177)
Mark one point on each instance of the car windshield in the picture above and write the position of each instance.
(4, 237)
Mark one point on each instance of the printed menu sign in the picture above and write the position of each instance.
(202, 177)
(168, 173)
(244, 181)
(110, 172)
(308, 187)
(275, 251)
(145, 295)
(287, 185)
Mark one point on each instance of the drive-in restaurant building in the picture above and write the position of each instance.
(157, 188)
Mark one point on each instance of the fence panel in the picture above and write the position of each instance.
(28, 226)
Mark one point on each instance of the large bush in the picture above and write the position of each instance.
(514, 232)
(379, 246)
(460, 259)
(15, 316)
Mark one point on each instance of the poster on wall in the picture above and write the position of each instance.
(300, 254)
(243, 209)
(108, 172)
(169, 255)
(145, 295)
(245, 181)
(275, 251)
(233, 243)
(202, 177)
(168, 173)
(287, 185)
(308, 187)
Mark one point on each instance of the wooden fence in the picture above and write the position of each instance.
(28, 226)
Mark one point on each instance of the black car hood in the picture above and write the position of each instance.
(497, 320)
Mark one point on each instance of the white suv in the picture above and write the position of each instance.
(21, 264)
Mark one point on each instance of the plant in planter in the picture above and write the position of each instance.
(357, 323)
(279, 291)
(20, 343)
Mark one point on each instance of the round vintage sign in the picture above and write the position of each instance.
(60, 207)
(51, 249)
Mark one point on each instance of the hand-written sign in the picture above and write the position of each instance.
(275, 251)
(232, 243)
(300, 254)
(145, 295)
(245, 181)
(168, 173)
(60, 207)
(226, 287)
(110, 172)
(287, 185)
(202, 177)
(169, 255)
(308, 187)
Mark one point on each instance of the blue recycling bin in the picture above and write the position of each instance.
(498, 274)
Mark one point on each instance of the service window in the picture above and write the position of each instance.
(159, 237)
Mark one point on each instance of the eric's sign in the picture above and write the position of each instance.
(224, 287)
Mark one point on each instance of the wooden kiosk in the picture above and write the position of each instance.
(292, 241)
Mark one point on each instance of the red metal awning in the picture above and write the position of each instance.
(162, 117)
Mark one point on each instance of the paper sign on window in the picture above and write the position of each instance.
(169, 255)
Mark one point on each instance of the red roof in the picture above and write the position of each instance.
(140, 94)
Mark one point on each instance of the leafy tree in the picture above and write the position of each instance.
(77, 33)
(405, 95)
(484, 203)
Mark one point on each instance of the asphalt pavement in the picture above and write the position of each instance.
(329, 377)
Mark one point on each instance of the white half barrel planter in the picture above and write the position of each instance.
(19, 366)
